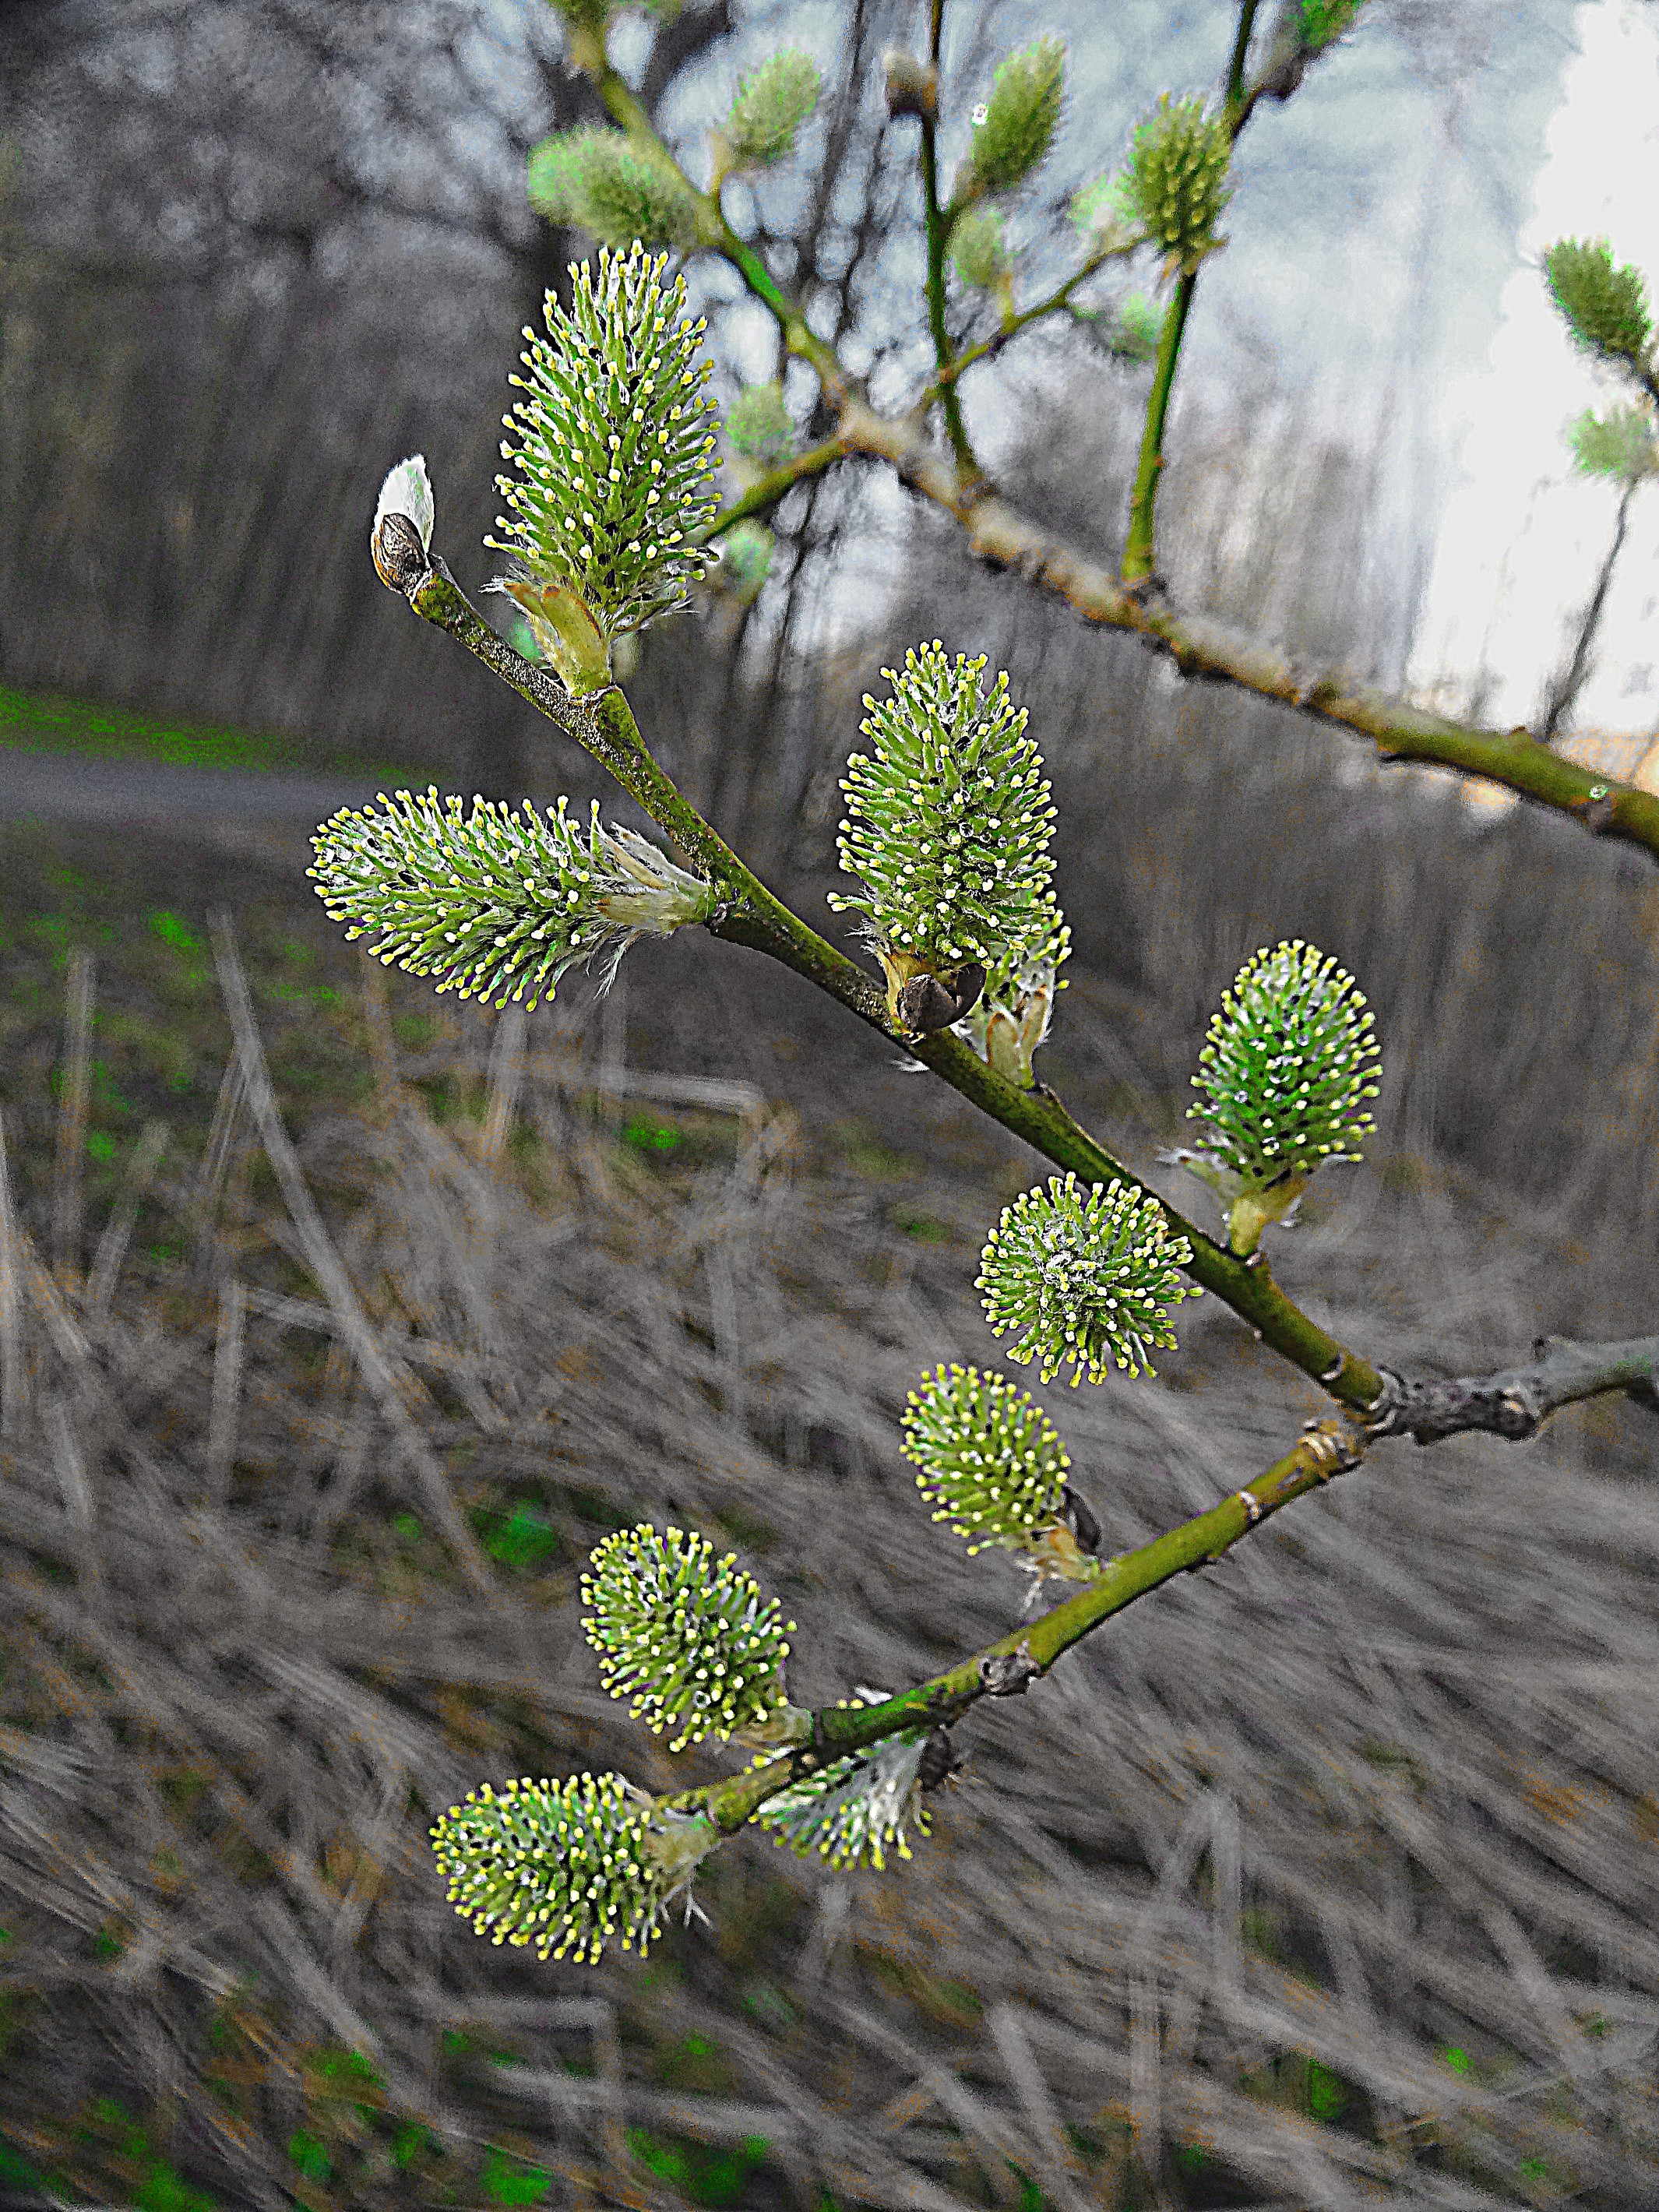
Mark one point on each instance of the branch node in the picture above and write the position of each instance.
(1009, 1674)
(1251, 1505)
(1332, 1449)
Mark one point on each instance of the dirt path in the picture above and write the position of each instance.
(64, 787)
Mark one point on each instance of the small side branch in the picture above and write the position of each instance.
(1138, 557)
(936, 223)
(987, 347)
(1516, 1402)
(1008, 1667)
(1235, 95)
(1512, 1404)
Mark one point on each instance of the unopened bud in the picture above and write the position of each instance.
(402, 529)
(912, 86)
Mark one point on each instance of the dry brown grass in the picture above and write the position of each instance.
(1323, 1879)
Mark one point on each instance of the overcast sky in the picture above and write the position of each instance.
(1384, 236)
(1523, 535)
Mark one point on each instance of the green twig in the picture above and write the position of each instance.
(766, 491)
(1236, 107)
(987, 347)
(1513, 1404)
(1140, 548)
(1140, 557)
(938, 238)
(751, 914)
(1005, 1666)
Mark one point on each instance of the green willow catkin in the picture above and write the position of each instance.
(599, 180)
(566, 1866)
(991, 1462)
(1015, 128)
(948, 823)
(1286, 1075)
(1288, 1065)
(501, 902)
(1083, 1275)
(769, 109)
(686, 1634)
(1175, 179)
(857, 1809)
(1621, 444)
(1604, 308)
(760, 426)
(979, 250)
(614, 449)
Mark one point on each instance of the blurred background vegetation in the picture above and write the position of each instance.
(1324, 1880)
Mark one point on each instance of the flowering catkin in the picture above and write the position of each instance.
(687, 1635)
(948, 820)
(500, 903)
(614, 446)
(1082, 1275)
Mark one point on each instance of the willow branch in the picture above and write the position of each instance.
(767, 490)
(1202, 647)
(1139, 547)
(1515, 1402)
(753, 915)
(1010, 1665)
(1199, 646)
(1140, 558)
(934, 220)
(988, 348)
(1565, 693)
(1512, 1405)
(1237, 108)
(750, 914)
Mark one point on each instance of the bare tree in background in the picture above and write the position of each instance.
(277, 270)
(297, 226)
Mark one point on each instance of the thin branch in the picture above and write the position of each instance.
(1516, 1401)
(1511, 1404)
(751, 914)
(1138, 554)
(1236, 68)
(937, 235)
(1008, 1666)
(988, 348)
(1140, 548)
(1564, 694)
(777, 482)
